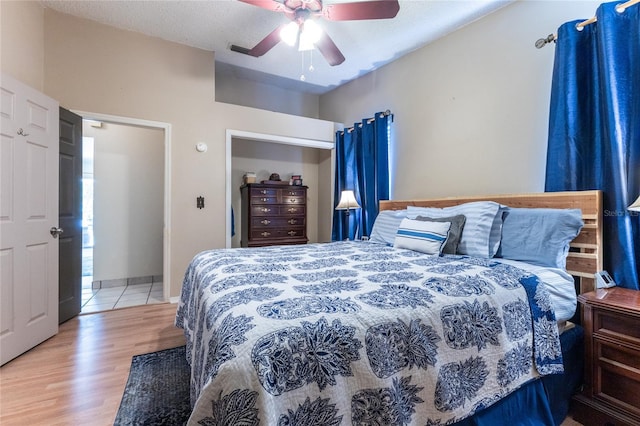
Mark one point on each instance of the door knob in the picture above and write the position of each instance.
(55, 231)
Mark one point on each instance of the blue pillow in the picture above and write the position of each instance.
(539, 236)
(386, 225)
(425, 237)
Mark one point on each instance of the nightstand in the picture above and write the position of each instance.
(611, 393)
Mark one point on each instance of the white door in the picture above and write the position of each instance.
(28, 211)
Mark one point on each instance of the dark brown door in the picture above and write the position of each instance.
(70, 284)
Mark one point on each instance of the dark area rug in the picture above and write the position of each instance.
(157, 391)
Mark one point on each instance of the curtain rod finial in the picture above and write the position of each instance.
(541, 42)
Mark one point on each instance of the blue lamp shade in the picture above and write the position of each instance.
(635, 206)
(347, 201)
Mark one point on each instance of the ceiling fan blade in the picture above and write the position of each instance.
(266, 4)
(263, 46)
(375, 9)
(329, 50)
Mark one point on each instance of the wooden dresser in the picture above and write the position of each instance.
(611, 394)
(273, 214)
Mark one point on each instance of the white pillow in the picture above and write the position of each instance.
(386, 225)
(482, 229)
(425, 237)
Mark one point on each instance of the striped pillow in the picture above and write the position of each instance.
(482, 228)
(386, 225)
(455, 232)
(425, 237)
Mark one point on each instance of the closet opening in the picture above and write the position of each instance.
(265, 154)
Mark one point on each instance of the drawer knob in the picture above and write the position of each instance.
(264, 191)
(265, 210)
(292, 193)
(291, 233)
(292, 210)
(265, 222)
(292, 200)
(265, 234)
(264, 199)
(292, 221)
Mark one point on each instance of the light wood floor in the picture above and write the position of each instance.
(78, 376)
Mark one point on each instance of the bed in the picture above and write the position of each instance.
(367, 333)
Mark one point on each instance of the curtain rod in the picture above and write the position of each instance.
(371, 120)
(541, 42)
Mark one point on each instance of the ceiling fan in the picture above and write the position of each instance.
(304, 32)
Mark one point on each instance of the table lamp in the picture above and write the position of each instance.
(347, 202)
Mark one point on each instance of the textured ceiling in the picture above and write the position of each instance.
(216, 24)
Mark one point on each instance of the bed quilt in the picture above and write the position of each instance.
(358, 333)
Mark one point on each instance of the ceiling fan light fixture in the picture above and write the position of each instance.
(305, 43)
(306, 34)
(309, 36)
(312, 30)
(289, 33)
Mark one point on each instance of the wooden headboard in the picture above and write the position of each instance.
(585, 257)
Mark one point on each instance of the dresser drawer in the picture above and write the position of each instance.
(275, 210)
(613, 352)
(277, 222)
(264, 199)
(268, 234)
(261, 192)
(294, 192)
(264, 210)
(289, 200)
(619, 370)
(293, 210)
(617, 325)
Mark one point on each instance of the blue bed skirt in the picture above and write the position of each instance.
(540, 402)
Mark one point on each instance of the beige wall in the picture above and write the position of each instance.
(265, 158)
(96, 68)
(471, 109)
(235, 90)
(22, 41)
(128, 201)
(325, 197)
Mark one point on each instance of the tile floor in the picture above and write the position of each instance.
(95, 300)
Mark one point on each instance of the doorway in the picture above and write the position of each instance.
(125, 212)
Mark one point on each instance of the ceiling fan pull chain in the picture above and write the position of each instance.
(302, 77)
(311, 61)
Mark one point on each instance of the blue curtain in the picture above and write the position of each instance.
(344, 226)
(362, 165)
(594, 127)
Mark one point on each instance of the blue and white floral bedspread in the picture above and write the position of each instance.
(358, 333)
